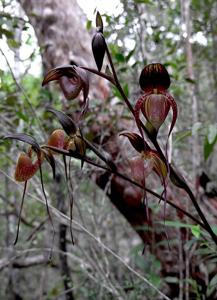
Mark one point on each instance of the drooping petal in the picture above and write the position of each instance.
(137, 110)
(161, 169)
(85, 88)
(137, 169)
(158, 166)
(173, 105)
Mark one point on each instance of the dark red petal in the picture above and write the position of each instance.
(85, 87)
(137, 169)
(173, 105)
(137, 109)
(70, 87)
(154, 76)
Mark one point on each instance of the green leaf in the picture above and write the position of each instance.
(108, 71)
(120, 57)
(116, 93)
(212, 132)
(144, 1)
(126, 89)
(196, 127)
(129, 55)
(176, 224)
(212, 286)
(9, 34)
(181, 135)
(190, 80)
(196, 231)
(13, 43)
(22, 116)
(88, 24)
(208, 148)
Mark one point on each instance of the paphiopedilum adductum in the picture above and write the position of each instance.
(145, 162)
(156, 101)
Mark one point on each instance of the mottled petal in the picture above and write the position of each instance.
(155, 109)
(57, 139)
(25, 168)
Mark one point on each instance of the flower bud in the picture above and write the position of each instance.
(98, 48)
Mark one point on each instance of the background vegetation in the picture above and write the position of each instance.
(107, 261)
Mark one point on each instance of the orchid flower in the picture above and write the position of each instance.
(25, 167)
(72, 80)
(156, 101)
(145, 162)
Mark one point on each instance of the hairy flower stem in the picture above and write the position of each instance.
(155, 143)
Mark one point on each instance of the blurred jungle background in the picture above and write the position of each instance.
(117, 253)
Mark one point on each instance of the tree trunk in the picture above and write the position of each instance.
(191, 87)
(60, 30)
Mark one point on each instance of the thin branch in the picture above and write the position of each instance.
(78, 225)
